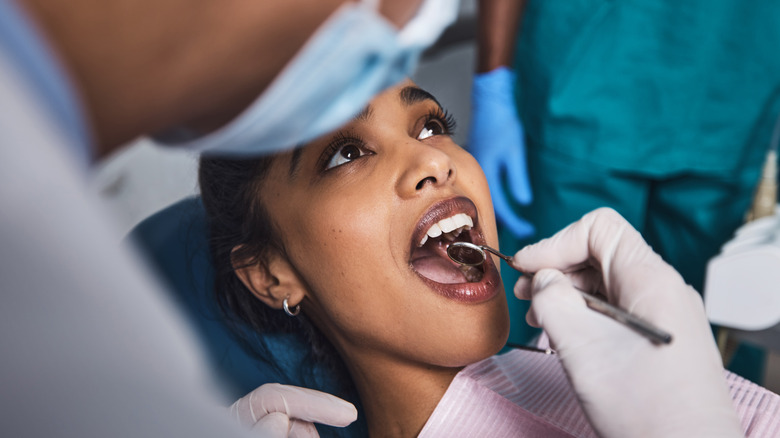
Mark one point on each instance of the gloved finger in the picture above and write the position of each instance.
(278, 425)
(558, 307)
(519, 227)
(530, 318)
(546, 286)
(301, 403)
(604, 240)
(273, 425)
(522, 287)
(517, 176)
(302, 429)
(588, 280)
(570, 248)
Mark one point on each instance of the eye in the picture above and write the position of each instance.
(343, 154)
(437, 122)
(432, 127)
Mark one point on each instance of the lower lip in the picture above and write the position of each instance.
(471, 293)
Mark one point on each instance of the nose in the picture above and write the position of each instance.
(426, 167)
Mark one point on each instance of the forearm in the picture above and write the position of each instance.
(498, 24)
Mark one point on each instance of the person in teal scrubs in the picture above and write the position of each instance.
(661, 110)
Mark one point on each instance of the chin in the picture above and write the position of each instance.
(483, 339)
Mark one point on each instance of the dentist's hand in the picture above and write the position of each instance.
(627, 385)
(496, 141)
(277, 411)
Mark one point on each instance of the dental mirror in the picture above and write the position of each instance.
(470, 254)
(466, 253)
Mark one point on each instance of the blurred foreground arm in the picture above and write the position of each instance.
(627, 385)
(277, 411)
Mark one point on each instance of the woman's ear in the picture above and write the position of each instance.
(271, 280)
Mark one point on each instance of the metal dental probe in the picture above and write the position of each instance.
(470, 254)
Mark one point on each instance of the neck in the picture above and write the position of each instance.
(398, 398)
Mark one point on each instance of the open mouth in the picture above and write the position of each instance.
(452, 220)
(430, 258)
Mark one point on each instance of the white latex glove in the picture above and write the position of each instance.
(627, 385)
(277, 411)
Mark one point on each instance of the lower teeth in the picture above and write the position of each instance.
(471, 273)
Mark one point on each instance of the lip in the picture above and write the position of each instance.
(490, 284)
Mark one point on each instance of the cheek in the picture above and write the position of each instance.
(350, 270)
(471, 173)
(337, 239)
(342, 246)
(472, 176)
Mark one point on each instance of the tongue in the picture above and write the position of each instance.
(431, 261)
(439, 269)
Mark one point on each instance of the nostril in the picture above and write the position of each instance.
(422, 182)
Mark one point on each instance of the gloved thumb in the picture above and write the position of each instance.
(549, 288)
(279, 425)
(294, 402)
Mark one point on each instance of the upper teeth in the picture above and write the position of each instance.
(454, 224)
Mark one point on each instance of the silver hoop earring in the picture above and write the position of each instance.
(287, 310)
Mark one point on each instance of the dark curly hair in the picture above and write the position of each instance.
(241, 230)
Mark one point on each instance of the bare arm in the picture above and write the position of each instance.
(498, 22)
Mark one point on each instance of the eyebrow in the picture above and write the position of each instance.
(412, 94)
(363, 116)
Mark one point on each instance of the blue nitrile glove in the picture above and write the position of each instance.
(496, 141)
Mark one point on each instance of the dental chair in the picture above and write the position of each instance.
(175, 242)
(742, 291)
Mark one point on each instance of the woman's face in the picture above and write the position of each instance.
(354, 207)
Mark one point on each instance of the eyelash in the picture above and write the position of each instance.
(341, 140)
(444, 117)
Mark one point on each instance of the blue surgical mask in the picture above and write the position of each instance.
(355, 54)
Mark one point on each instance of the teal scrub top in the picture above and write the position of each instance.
(658, 87)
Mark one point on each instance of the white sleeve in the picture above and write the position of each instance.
(89, 346)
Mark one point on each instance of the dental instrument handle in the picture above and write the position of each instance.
(646, 329)
(505, 257)
(654, 334)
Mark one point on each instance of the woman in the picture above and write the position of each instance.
(350, 231)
